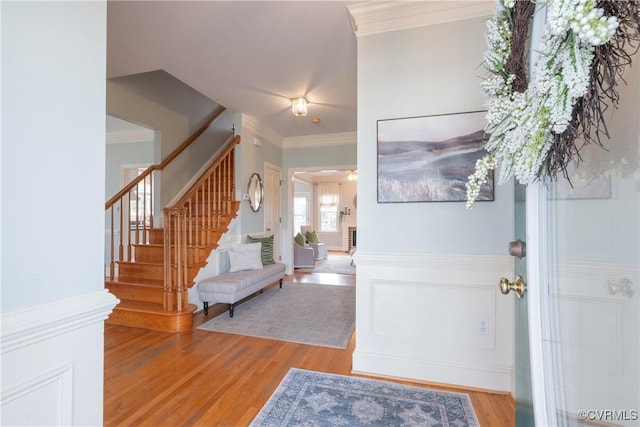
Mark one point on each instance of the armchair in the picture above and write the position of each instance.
(319, 248)
(303, 256)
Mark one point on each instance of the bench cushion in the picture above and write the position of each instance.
(232, 287)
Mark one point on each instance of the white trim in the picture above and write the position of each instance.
(34, 324)
(537, 274)
(253, 125)
(537, 322)
(393, 289)
(325, 140)
(61, 378)
(496, 378)
(383, 16)
(439, 261)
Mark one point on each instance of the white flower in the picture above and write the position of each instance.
(522, 125)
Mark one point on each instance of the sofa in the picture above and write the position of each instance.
(230, 285)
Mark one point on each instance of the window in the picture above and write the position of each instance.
(301, 210)
(140, 198)
(329, 197)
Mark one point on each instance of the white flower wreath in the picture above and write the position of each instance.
(521, 124)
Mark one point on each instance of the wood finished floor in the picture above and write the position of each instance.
(201, 378)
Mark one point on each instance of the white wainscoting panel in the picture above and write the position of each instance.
(53, 362)
(436, 318)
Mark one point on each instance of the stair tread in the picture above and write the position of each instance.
(161, 245)
(141, 281)
(141, 262)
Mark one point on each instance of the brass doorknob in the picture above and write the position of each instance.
(518, 286)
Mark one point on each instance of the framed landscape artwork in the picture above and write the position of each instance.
(428, 159)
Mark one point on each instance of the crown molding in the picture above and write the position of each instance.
(253, 125)
(323, 140)
(376, 17)
(128, 136)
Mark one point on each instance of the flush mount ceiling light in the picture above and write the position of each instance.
(299, 106)
(353, 175)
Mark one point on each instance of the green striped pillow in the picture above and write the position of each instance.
(267, 248)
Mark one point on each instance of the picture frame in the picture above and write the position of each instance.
(429, 158)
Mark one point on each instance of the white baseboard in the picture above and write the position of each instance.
(494, 378)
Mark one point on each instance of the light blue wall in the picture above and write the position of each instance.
(53, 152)
(420, 72)
(159, 101)
(252, 158)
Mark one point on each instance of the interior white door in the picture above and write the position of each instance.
(584, 274)
(272, 198)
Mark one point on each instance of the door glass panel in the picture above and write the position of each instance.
(594, 277)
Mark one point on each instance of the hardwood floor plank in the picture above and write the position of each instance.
(204, 378)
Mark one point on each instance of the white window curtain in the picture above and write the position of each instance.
(328, 198)
(328, 194)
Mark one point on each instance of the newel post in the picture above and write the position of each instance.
(175, 259)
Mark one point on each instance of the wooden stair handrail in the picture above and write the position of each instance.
(127, 188)
(189, 140)
(189, 194)
(205, 203)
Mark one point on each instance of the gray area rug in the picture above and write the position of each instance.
(337, 264)
(307, 398)
(321, 315)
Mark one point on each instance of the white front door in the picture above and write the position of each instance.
(584, 279)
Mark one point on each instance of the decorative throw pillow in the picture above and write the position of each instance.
(246, 247)
(245, 257)
(312, 237)
(266, 252)
(300, 239)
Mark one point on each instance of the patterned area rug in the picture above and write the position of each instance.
(321, 315)
(306, 398)
(337, 264)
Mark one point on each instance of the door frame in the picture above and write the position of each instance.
(277, 193)
(537, 238)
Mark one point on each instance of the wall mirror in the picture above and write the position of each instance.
(255, 190)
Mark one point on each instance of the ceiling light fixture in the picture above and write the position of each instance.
(353, 175)
(299, 106)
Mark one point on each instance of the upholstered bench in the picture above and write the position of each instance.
(237, 279)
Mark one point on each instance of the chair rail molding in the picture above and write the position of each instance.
(52, 359)
(28, 326)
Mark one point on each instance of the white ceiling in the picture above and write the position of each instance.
(253, 56)
(250, 56)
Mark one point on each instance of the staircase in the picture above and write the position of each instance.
(150, 268)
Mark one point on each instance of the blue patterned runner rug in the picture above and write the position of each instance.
(307, 398)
